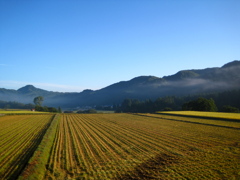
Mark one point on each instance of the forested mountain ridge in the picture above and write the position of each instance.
(185, 82)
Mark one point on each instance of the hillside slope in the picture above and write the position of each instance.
(185, 82)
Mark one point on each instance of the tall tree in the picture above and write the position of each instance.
(59, 110)
(38, 100)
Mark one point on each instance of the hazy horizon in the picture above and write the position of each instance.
(69, 46)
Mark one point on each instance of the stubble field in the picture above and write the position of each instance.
(19, 138)
(140, 146)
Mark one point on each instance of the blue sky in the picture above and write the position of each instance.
(69, 46)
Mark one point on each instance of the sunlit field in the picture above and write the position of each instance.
(131, 146)
(19, 137)
(205, 114)
(18, 111)
(126, 146)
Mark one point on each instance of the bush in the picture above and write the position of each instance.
(167, 109)
(68, 111)
(201, 104)
(45, 109)
(89, 111)
(230, 109)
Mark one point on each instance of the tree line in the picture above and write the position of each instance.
(228, 101)
(38, 106)
(15, 105)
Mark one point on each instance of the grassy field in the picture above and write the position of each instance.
(19, 111)
(134, 146)
(201, 120)
(205, 114)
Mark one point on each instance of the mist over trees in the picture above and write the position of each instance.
(38, 106)
(15, 105)
(228, 101)
(38, 100)
(183, 83)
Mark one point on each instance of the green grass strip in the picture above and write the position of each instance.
(36, 166)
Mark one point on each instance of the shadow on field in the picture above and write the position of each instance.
(22, 160)
(200, 123)
(202, 117)
(154, 168)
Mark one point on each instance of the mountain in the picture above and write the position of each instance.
(185, 82)
(31, 89)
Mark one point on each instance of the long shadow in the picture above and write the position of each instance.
(178, 120)
(150, 169)
(22, 159)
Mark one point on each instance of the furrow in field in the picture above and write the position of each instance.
(27, 133)
(196, 129)
(77, 155)
(101, 151)
(111, 148)
(125, 146)
(123, 137)
(77, 149)
(54, 155)
(186, 136)
(87, 152)
(130, 153)
(11, 130)
(18, 143)
(27, 152)
(98, 156)
(141, 140)
(56, 158)
(118, 163)
(165, 137)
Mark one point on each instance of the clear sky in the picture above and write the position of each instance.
(72, 45)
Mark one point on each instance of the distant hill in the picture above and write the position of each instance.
(185, 82)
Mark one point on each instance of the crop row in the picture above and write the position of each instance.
(214, 121)
(19, 137)
(125, 146)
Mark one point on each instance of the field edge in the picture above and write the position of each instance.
(234, 117)
(36, 166)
